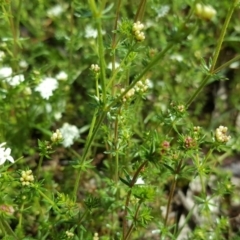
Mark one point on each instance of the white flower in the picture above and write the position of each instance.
(16, 80)
(163, 11)
(23, 64)
(221, 134)
(69, 134)
(90, 32)
(27, 91)
(139, 181)
(5, 154)
(2, 55)
(55, 11)
(26, 177)
(56, 136)
(62, 76)
(46, 87)
(206, 12)
(5, 72)
(109, 66)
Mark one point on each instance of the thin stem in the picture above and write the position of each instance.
(202, 85)
(216, 54)
(39, 167)
(222, 34)
(116, 146)
(102, 61)
(114, 35)
(134, 179)
(71, 35)
(97, 16)
(6, 229)
(91, 135)
(132, 225)
(226, 64)
(48, 199)
(82, 217)
(140, 12)
(172, 190)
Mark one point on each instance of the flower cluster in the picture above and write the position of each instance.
(6, 75)
(206, 12)
(26, 177)
(189, 142)
(137, 27)
(69, 234)
(62, 76)
(96, 236)
(95, 68)
(221, 134)
(140, 87)
(56, 136)
(46, 87)
(5, 154)
(69, 134)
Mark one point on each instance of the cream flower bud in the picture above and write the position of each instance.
(206, 12)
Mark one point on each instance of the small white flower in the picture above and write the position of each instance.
(139, 181)
(62, 76)
(16, 80)
(5, 72)
(55, 11)
(46, 87)
(95, 68)
(109, 66)
(163, 11)
(221, 134)
(69, 134)
(27, 91)
(69, 234)
(26, 177)
(56, 136)
(177, 57)
(5, 154)
(90, 32)
(2, 55)
(23, 64)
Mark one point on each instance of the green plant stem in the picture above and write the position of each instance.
(71, 35)
(172, 189)
(203, 184)
(216, 54)
(222, 34)
(97, 15)
(226, 64)
(14, 20)
(140, 12)
(92, 133)
(116, 147)
(6, 229)
(39, 167)
(102, 61)
(82, 217)
(202, 85)
(48, 199)
(134, 179)
(132, 225)
(114, 41)
(21, 216)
